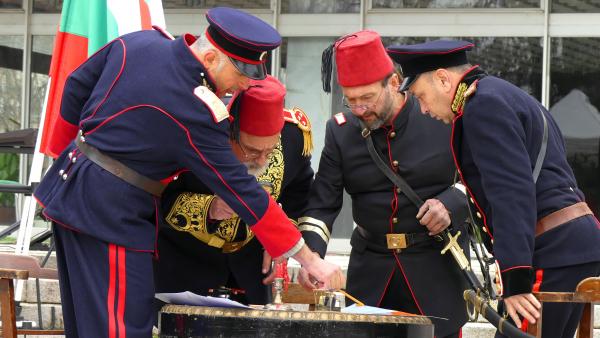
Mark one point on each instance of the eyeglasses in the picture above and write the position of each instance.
(254, 154)
(360, 108)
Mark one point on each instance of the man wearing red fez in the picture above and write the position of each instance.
(395, 261)
(203, 244)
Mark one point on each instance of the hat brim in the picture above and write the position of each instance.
(255, 72)
(408, 81)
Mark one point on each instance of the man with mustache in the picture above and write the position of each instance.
(203, 244)
(510, 154)
(395, 261)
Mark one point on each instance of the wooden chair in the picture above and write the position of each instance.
(19, 267)
(587, 292)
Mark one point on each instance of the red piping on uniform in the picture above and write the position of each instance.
(463, 179)
(110, 299)
(40, 202)
(539, 276)
(517, 267)
(431, 53)
(224, 30)
(112, 85)
(408, 284)
(386, 287)
(172, 177)
(60, 223)
(399, 111)
(395, 200)
(122, 291)
(187, 132)
(237, 57)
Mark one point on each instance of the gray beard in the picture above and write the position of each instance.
(255, 170)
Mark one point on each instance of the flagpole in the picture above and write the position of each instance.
(29, 203)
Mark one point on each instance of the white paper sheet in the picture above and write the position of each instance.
(190, 298)
(366, 310)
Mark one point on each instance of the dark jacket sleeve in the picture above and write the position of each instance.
(326, 195)
(496, 137)
(77, 90)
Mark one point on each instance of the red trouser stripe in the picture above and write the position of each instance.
(110, 299)
(122, 292)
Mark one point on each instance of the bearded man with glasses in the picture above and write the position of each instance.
(395, 261)
(203, 244)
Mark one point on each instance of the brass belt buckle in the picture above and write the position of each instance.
(396, 241)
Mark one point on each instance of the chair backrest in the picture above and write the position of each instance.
(587, 292)
(19, 267)
(28, 263)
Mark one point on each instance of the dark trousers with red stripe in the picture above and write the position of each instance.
(106, 290)
(560, 320)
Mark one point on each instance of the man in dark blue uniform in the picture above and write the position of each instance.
(511, 155)
(203, 234)
(146, 109)
(395, 261)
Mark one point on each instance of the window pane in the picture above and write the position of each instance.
(575, 6)
(47, 6)
(515, 59)
(320, 6)
(216, 3)
(40, 66)
(11, 64)
(574, 103)
(456, 3)
(11, 4)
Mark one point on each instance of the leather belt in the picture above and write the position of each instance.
(395, 241)
(119, 169)
(562, 216)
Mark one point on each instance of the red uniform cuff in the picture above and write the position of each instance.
(275, 231)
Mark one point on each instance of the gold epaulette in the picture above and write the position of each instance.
(298, 117)
(462, 93)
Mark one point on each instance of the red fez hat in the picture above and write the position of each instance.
(261, 107)
(361, 59)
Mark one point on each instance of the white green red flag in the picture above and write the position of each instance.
(86, 26)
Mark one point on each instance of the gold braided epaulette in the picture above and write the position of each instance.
(299, 117)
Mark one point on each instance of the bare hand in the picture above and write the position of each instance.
(523, 305)
(306, 280)
(266, 265)
(318, 273)
(219, 210)
(434, 215)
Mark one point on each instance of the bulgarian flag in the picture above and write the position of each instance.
(86, 26)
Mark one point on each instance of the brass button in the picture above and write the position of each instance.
(472, 200)
(398, 190)
(395, 220)
(395, 163)
(393, 134)
(478, 214)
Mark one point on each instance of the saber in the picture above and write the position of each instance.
(477, 298)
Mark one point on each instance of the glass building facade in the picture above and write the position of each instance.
(550, 48)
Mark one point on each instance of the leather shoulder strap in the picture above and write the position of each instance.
(387, 171)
